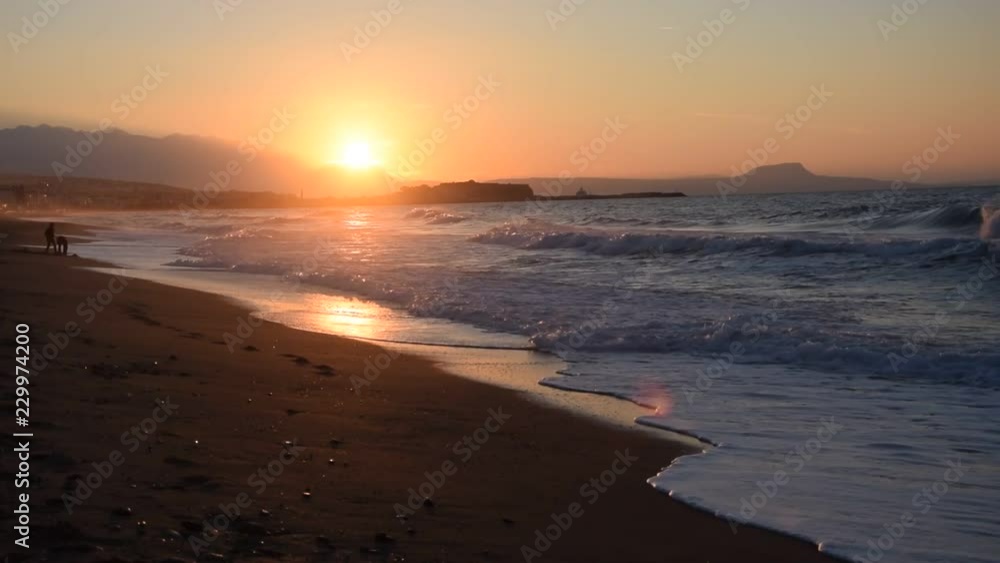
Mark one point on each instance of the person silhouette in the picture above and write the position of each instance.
(50, 238)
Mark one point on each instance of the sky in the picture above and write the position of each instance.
(624, 88)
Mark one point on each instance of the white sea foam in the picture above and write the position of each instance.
(990, 223)
(436, 216)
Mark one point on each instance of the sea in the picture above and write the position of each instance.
(835, 355)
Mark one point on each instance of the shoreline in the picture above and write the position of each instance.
(153, 339)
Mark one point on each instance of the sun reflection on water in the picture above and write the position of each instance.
(345, 316)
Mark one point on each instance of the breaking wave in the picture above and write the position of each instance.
(435, 216)
(537, 236)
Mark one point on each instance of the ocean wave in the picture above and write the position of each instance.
(195, 229)
(197, 263)
(787, 344)
(535, 236)
(435, 216)
(241, 233)
(790, 339)
(945, 217)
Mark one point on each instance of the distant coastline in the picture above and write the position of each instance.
(41, 193)
(636, 195)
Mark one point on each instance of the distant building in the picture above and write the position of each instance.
(581, 193)
(12, 196)
(465, 192)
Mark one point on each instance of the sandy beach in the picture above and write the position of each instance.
(154, 441)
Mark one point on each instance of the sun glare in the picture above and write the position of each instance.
(357, 155)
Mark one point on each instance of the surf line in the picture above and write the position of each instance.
(442, 345)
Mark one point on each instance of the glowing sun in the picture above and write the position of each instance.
(357, 155)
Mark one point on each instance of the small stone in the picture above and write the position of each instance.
(265, 512)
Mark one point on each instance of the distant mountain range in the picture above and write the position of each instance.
(788, 177)
(176, 160)
(192, 162)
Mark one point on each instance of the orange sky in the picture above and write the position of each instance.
(536, 85)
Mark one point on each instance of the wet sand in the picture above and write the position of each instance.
(314, 449)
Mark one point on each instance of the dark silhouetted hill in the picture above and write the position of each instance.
(788, 177)
(176, 160)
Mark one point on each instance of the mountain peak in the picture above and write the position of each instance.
(786, 169)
